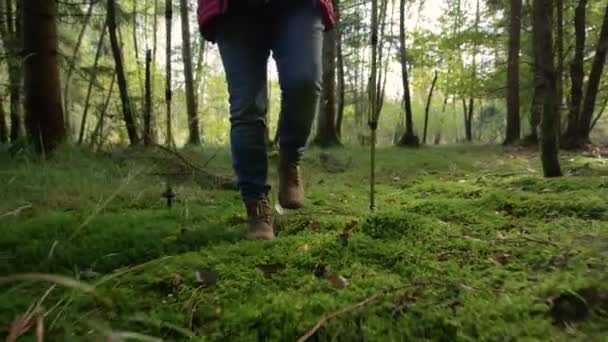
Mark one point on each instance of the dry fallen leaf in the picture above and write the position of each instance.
(337, 280)
(271, 269)
(205, 277)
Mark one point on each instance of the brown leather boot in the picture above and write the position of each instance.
(259, 214)
(291, 190)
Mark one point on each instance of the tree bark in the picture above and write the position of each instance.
(72, 66)
(91, 84)
(120, 74)
(543, 10)
(577, 75)
(193, 124)
(43, 106)
(408, 138)
(428, 107)
(593, 84)
(326, 123)
(168, 92)
(513, 121)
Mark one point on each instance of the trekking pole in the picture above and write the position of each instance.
(373, 108)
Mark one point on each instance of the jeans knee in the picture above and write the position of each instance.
(304, 88)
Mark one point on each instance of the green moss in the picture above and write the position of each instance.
(472, 241)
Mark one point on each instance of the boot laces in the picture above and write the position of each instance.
(261, 210)
(293, 173)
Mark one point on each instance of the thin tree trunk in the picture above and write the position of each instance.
(168, 93)
(408, 138)
(468, 128)
(9, 37)
(513, 124)
(72, 66)
(193, 124)
(97, 133)
(137, 60)
(44, 117)
(92, 82)
(549, 126)
(593, 85)
(599, 115)
(3, 127)
(148, 102)
(153, 131)
(538, 96)
(120, 73)
(577, 74)
(427, 108)
(341, 77)
(560, 58)
(469, 115)
(198, 74)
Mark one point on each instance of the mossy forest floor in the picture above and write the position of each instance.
(469, 243)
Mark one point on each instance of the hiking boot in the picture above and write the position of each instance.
(259, 214)
(291, 190)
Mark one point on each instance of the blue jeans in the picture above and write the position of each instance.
(293, 31)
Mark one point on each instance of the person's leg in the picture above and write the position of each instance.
(297, 43)
(244, 55)
(244, 52)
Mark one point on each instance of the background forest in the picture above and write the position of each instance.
(461, 58)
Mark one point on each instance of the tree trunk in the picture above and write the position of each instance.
(577, 74)
(3, 127)
(559, 39)
(148, 102)
(97, 133)
(513, 124)
(593, 85)
(538, 96)
(153, 131)
(72, 66)
(326, 123)
(120, 74)
(137, 60)
(10, 40)
(468, 120)
(198, 74)
(428, 107)
(543, 10)
(168, 92)
(193, 126)
(341, 77)
(43, 107)
(92, 82)
(408, 138)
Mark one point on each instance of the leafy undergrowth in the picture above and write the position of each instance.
(468, 243)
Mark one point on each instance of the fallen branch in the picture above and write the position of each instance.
(182, 158)
(17, 211)
(345, 310)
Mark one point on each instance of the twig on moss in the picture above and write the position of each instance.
(17, 211)
(346, 310)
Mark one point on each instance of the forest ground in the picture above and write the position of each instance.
(468, 243)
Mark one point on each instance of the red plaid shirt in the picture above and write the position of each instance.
(208, 10)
